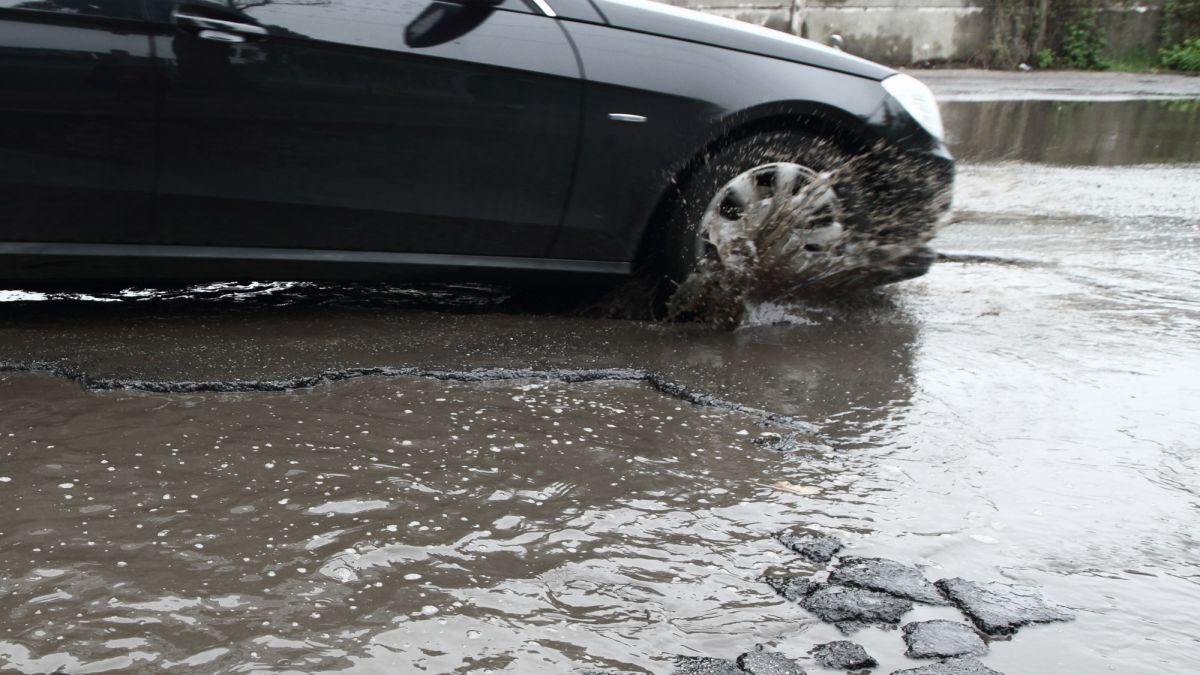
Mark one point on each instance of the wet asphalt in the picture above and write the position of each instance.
(302, 478)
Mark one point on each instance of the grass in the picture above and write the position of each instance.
(1184, 56)
(1140, 60)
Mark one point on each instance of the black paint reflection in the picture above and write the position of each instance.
(331, 132)
(122, 9)
(442, 22)
(76, 129)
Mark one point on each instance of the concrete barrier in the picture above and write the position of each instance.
(907, 32)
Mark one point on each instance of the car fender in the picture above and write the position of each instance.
(654, 105)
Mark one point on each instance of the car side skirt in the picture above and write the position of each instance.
(242, 261)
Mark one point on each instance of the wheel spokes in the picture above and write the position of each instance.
(743, 191)
(784, 182)
(780, 214)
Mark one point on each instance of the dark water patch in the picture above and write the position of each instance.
(375, 524)
(655, 381)
(1091, 133)
(218, 345)
(630, 299)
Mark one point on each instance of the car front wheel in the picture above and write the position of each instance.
(770, 216)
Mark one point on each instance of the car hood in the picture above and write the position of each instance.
(684, 24)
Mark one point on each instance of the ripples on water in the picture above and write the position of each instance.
(446, 526)
(1032, 423)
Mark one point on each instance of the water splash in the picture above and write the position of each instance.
(866, 222)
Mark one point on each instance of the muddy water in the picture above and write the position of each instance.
(1097, 133)
(446, 526)
(1024, 413)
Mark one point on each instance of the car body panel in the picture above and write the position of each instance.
(680, 23)
(333, 133)
(698, 94)
(76, 127)
(576, 10)
(386, 138)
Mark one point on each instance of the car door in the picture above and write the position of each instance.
(76, 121)
(369, 125)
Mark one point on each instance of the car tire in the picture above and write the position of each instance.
(765, 161)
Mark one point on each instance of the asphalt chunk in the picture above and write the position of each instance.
(818, 548)
(843, 655)
(1001, 609)
(703, 665)
(887, 576)
(959, 666)
(782, 443)
(939, 639)
(762, 662)
(793, 588)
(848, 606)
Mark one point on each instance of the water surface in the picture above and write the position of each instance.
(1024, 413)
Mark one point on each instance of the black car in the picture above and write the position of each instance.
(382, 139)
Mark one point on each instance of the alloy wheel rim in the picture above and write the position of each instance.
(783, 211)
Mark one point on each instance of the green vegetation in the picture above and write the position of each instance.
(1083, 46)
(1184, 56)
(1069, 34)
(1049, 33)
(1180, 35)
(1140, 60)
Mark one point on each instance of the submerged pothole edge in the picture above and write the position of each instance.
(568, 375)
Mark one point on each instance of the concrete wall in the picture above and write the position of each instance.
(1131, 28)
(904, 32)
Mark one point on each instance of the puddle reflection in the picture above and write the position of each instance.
(1076, 133)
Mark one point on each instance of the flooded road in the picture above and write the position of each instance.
(1074, 133)
(400, 480)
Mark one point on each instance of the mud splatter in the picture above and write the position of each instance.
(866, 222)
